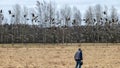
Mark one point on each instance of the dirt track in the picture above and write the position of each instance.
(60, 57)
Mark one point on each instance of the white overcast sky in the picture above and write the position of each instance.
(81, 4)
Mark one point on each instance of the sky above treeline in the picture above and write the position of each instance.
(80, 4)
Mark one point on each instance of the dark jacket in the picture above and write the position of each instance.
(78, 56)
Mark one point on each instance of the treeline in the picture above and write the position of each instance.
(45, 23)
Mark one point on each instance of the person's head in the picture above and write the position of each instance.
(79, 49)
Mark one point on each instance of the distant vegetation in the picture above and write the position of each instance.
(47, 24)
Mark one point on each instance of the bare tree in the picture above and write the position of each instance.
(114, 15)
(89, 20)
(76, 17)
(17, 20)
(17, 12)
(46, 13)
(98, 14)
(106, 24)
(1, 16)
(77, 24)
(25, 19)
(98, 18)
(114, 22)
(12, 21)
(89, 17)
(1, 27)
(66, 17)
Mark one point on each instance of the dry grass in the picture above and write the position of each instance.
(49, 56)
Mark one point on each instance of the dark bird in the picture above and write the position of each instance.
(74, 21)
(1, 11)
(25, 15)
(106, 19)
(36, 20)
(13, 15)
(65, 26)
(53, 19)
(104, 12)
(94, 20)
(113, 20)
(33, 15)
(57, 23)
(38, 2)
(9, 11)
(45, 20)
(68, 18)
(27, 19)
(84, 19)
(87, 20)
(53, 22)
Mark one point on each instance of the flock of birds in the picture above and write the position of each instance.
(35, 18)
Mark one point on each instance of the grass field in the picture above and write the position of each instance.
(53, 56)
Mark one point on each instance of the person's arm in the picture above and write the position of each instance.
(75, 56)
(81, 56)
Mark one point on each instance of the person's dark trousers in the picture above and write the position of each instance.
(78, 64)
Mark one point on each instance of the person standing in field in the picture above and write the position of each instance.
(78, 58)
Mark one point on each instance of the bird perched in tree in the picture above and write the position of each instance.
(106, 19)
(13, 15)
(35, 18)
(94, 20)
(38, 3)
(104, 13)
(33, 15)
(87, 20)
(9, 11)
(84, 19)
(53, 19)
(74, 21)
(45, 20)
(113, 20)
(1, 11)
(68, 18)
(27, 19)
(25, 15)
